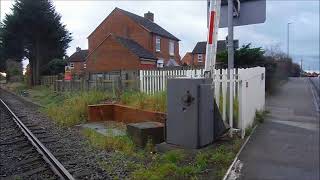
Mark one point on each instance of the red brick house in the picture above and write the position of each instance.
(126, 41)
(76, 61)
(198, 55)
(119, 53)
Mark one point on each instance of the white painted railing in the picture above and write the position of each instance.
(249, 90)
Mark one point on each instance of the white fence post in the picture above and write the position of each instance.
(231, 86)
(224, 94)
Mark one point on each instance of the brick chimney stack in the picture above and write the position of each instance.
(149, 15)
(78, 49)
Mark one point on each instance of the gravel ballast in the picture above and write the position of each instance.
(67, 144)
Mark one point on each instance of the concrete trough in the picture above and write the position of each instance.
(142, 125)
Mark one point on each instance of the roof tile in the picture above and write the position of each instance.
(136, 48)
(151, 26)
(79, 56)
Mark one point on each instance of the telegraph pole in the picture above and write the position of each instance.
(288, 38)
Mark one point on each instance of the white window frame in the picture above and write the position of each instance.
(200, 56)
(158, 44)
(71, 65)
(171, 47)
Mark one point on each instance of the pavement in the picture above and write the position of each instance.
(316, 82)
(286, 145)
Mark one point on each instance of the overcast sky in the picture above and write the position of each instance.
(187, 21)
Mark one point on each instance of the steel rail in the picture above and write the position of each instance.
(55, 165)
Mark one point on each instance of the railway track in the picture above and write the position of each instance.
(23, 153)
(67, 145)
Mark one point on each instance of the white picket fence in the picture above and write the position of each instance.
(249, 90)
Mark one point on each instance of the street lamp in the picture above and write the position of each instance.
(288, 36)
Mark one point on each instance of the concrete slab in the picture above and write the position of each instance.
(107, 128)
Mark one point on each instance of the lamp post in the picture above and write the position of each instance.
(288, 38)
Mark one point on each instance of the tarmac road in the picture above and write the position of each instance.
(286, 146)
(316, 82)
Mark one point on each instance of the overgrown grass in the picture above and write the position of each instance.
(39, 94)
(170, 165)
(144, 164)
(174, 156)
(74, 109)
(155, 102)
(235, 108)
(16, 87)
(45, 96)
(260, 116)
(183, 165)
(110, 143)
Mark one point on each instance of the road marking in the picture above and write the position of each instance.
(308, 126)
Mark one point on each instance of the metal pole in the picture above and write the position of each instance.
(301, 70)
(288, 38)
(230, 61)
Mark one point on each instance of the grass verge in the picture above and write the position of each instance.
(65, 108)
(74, 109)
(144, 164)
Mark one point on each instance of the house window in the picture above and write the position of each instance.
(171, 47)
(71, 65)
(199, 57)
(160, 63)
(158, 43)
(99, 76)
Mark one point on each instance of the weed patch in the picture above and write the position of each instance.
(141, 164)
(110, 143)
(202, 160)
(222, 156)
(260, 116)
(155, 102)
(74, 109)
(173, 156)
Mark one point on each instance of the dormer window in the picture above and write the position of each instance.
(158, 43)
